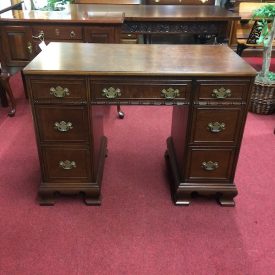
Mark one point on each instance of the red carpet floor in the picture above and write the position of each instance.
(137, 229)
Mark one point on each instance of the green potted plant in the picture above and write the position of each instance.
(262, 98)
(52, 4)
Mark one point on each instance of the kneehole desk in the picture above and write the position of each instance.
(207, 85)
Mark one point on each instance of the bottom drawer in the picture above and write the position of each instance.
(210, 164)
(66, 164)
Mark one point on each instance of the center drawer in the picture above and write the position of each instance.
(139, 90)
(56, 32)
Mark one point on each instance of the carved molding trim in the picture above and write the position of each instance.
(173, 27)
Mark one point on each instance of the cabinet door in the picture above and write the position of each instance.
(100, 34)
(17, 45)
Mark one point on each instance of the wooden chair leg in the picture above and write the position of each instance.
(5, 86)
(3, 97)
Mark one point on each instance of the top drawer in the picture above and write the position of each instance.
(57, 32)
(140, 91)
(222, 90)
(58, 89)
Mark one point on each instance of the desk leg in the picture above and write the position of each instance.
(6, 89)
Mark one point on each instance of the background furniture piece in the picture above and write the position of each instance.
(209, 94)
(246, 31)
(180, 2)
(20, 31)
(5, 89)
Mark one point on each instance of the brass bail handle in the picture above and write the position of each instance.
(63, 126)
(221, 93)
(67, 164)
(111, 92)
(170, 93)
(216, 127)
(210, 165)
(40, 36)
(59, 91)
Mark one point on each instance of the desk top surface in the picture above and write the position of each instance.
(88, 13)
(138, 60)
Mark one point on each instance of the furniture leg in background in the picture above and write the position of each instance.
(5, 89)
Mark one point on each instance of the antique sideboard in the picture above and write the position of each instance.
(208, 87)
(22, 31)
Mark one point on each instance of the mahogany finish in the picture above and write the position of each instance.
(208, 87)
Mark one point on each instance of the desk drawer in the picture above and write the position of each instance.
(208, 164)
(66, 164)
(57, 33)
(58, 89)
(222, 90)
(216, 125)
(60, 123)
(140, 90)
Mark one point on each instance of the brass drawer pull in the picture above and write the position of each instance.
(40, 36)
(216, 127)
(72, 34)
(221, 93)
(59, 91)
(111, 92)
(210, 165)
(63, 126)
(67, 165)
(170, 93)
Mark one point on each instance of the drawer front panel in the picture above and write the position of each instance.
(59, 90)
(222, 91)
(66, 164)
(216, 125)
(210, 164)
(62, 123)
(56, 33)
(140, 90)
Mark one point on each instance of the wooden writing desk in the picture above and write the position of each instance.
(208, 87)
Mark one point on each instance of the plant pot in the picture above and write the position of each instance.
(262, 99)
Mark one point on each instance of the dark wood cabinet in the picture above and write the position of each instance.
(17, 45)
